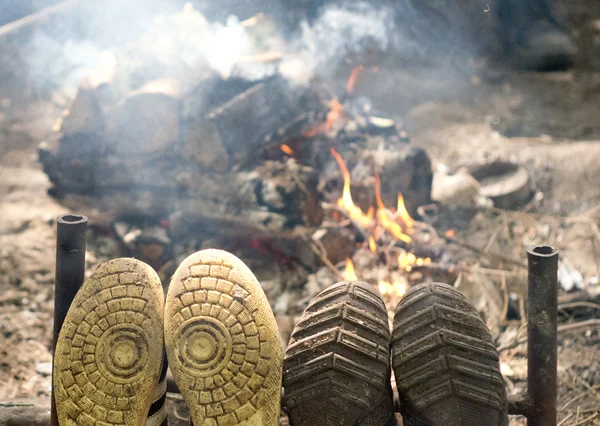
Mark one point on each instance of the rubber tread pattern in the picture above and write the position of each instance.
(222, 342)
(109, 353)
(337, 364)
(445, 363)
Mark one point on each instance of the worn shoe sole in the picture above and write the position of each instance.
(222, 342)
(109, 352)
(337, 364)
(444, 360)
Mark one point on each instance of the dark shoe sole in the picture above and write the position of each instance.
(109, 353)
(336, 367)
(222, 342)
(444, 360)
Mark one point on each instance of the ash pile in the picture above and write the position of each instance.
(198, 135)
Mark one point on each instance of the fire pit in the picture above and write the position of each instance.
(264, 137)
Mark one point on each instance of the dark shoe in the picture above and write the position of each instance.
(445, 363)
(545, 47)
(337, 365)
(533, 37)
(222, 342)
(109, 353)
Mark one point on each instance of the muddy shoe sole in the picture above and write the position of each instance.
(109, 351)
(337, 364)
(222, 342)
(444, 360)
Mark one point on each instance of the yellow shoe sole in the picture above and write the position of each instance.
(109, 352)
(222, 342)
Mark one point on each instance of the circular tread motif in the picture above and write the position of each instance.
(222, 342)
(109, 352)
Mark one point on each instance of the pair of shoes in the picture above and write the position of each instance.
(223, 348)
(219, 332)
(337, 365)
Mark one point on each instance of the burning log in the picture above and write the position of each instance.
(146, 121)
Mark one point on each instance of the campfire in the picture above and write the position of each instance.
(245, 157)
(264, 137)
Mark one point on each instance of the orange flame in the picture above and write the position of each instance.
(285, 148)
(349, 274)
(352, 79)
(355, 213)
(384, 216)
(397, 288)
(406, 261)
(372, 244)
(402, 213)
(334, 114)
(450, 233)
(336, 110)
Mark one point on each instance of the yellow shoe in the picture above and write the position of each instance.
(109, 352)
(222, 342)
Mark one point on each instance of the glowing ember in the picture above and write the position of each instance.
(372, 244)
(334, 114)
(396, 288)
(346, 203)
(336, 109)
(285, 148)
(352, 79)
(349, 274)
(406, 261)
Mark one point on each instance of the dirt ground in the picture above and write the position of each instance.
(546, 122)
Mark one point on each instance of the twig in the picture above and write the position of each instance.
(572, 400)
(587, 419)
(329, 206)
(37, 16)
(318, 251)
(488, 246)
(583, 383)
(561, 329)
(505, 294)
(468, 246)
(576, 325)
(579, 305)
(565, 419)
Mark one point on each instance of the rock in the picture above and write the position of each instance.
(25, 412)
(44, 368)
(460, 188)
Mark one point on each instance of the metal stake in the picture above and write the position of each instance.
(70, 269)
(542, 322)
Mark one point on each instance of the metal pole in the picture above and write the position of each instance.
(70, 269)
(542, 335)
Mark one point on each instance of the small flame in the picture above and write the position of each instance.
(352, 79)
(384, 216)
(372, 244)
(286, 148)
(402, 213)
(450, 233)
(336, 110)
(349, 274)
(397, 288)
(334, 114)
(355, 213)
(406, 261)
